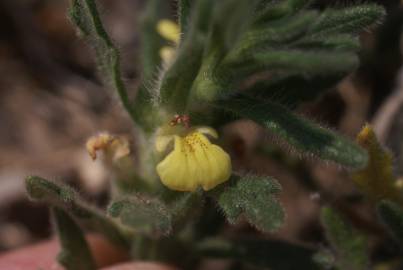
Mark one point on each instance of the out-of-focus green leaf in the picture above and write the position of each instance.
(142, 215)
(349, 245)
(347, 20)
(152, 216)
(376, 180)
(272, 10)
(324, 258)
(75, 253)
(392, 216)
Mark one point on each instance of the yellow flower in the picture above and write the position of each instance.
(194, 161)
(171, 32)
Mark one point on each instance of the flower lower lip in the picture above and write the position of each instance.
(194, 162)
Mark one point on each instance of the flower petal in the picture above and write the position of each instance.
(208, 131)
(194, 162)
(201, 156)
(218, 164)
(220, 167)
(174, 169)
(162, 141)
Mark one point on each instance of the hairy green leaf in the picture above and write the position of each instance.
(182, 205)
(226, 29)
(61, 196)
(271, 34)
(152, 216)
(301, 134)
(347, 20)
(348, 244)
(278, 9)
(178, 78)
(254, 198)
(75, 253)
(85, 15)
(309, 65)
(290, 91)
(229, 26)
(288, 42)
(306, 62)
(338, 42)
(143, 215)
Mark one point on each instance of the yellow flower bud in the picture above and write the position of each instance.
(169, 30)
(167, 54)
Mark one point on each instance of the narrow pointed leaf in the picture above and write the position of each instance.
(85, 15)
(311, 63)
(348, 20)
(349, 245)
(75, 253)
(301, 134)
(61, 196)
(266, 35)
(376, 180)
(339, 42)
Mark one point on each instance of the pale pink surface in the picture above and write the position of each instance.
(139, 266)
(42, 257)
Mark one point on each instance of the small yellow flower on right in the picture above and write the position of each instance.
(194, 161)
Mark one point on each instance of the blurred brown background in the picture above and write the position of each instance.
(51, 101)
